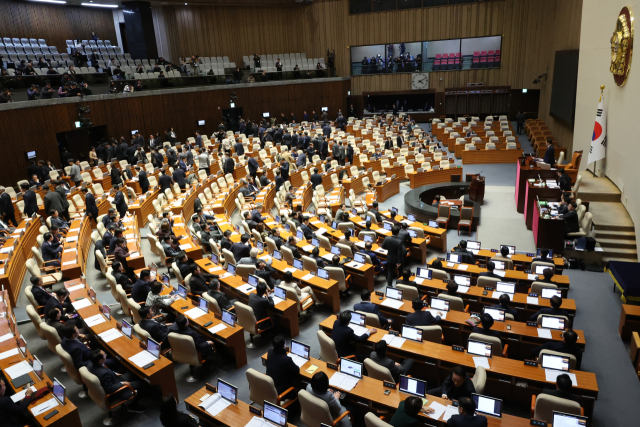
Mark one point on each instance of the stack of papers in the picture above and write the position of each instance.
(418, 280)
(481, 361)
(449, 412)
(394, 341)
(532, 300)
(217, 268)
(343, 381)
(110, 335)
(462, 267)
(142, 359)
(328, 257)
(95, 320)
(392, 303)
(320, 231)
(544, 333)
(185, 246)
(134, 254)
(451, 264)
(18, 370)
(194, 313)
(291, 269)
(215, 404)
(246, 288)
(68, 263)
(360, 244)
(299, 361)
(551, 375)
(86, 302)
(44, 407)
(497, 294)
(21, 395)
(463, 289)
(258, 422)
(72, 239)
(8, 353)
(358, 330)
(439, 410)
(217, 328)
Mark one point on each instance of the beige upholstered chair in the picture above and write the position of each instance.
(487, 282)
(455, 303)
(36, 320)
(479, 379)
(337, 274)
(71, 370)
(431, 333)
(262, 388)
(543, 406)
(537, 287)
(409, 293)
(315, 411)
(212, 303)
(247, 319)
(370, 319)
(106, 402)
(371, 420)
(439, 274)
(496, 344)
(378, 372)
(328, 351)
(184, 351)
(51, 335)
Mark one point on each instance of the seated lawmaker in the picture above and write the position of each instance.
(554, 310)
(544, 256)
(379, 355)
(457, 385)
(568, 345)
(489, 273)
(407, 413)
(571, 224)
(155, 328)
(406, 279)
(563, 389)
(467, 415)
(504, 301)
(345, 339)
(280, 367)
(420, 317)
(14, 414)
(204, 347)
(319, 387)
(487, 322)
(466, 255)
(504, 257)
(548, 273)
(368, 307)
(111, 381)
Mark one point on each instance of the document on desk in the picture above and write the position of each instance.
(497, 294)
(110, 335)
(225, 275)
(75, 288)
(307, 277)
(449, 412)
(394, 341)
(299, 361)
(434, 312)
(532, 300)
(320, 231)
(354, 264)
(438, 408)
(95, 320)
(462, 267)
(129, 236)
(381, 251)
(551, 375)
(463, 289)
(291, 269)
(69, 250)
(194, 313)
(85, 302)
(142, 359)
(544, 333)
(360, 244)
(451, 264)
(308, 248)
(71, 239)
(245, 289)
(277, 300)
(8, 353)
(383, 231)
(217, 328)
(21, 395)
(215, 404)
(185, 246)
(500, 273)
(257, 422)
(328, 257)
(44, 407)
(532, 276)
(69, 263)
(481, 361)
(418, 280)
(218, 268)
(6, 337)
(343, 381)
(392, 303)
(358, 330)
(134, 254)
(18, 370)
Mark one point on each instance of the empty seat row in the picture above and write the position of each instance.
(10, 42)
(168, 74)
(37, 51)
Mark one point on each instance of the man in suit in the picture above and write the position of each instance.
(345, 339)
(165, 181)
(265, 272)
(29, 199)
(90, 205)
(198, 140)
(180, 177)
(467, 415)
(406, 279)
(544, 256)
(120, 202)
(241, 249)
(239, 148)
(503, 304)
(252, 259)
(62, 191)
(50, 254)
(183, 261)
(395, 255)
(325, 116)
(549, 154)
(467, 255)
(306, 228)
(111, 382)
(39, 294)
(379, 356)
(52, 201)
(554, 310)
(388, 144)
(200, 282)
(422, 318)
(142, 286)
(120, 275)
(291, 244)
(548, 274)
(80, 353)
(563, 389)
(335, 151)
(253, 167)
(564, 205)
(7, 212)
(487, 322)
(377, 264)
(571, 224)
(284, 169)
(489, 273)
(142, 179)
(315, 178)
(261, 302)
(57, 221)
(204, 347)
(504, 257)
(264, 180)
(368, 307)
(225, 242)
(280, 367)
(374, 211)
(15, 413)
(400, 140)
(301, 160)
(279, 180)
(108, 235)
(275, 236)
(215, 293)
(60, 301)
(564, 180)
(456, 386)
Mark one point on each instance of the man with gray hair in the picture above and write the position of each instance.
(7, 212)
(203, 160)
(251, 259)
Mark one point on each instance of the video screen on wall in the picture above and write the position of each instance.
(437, 55)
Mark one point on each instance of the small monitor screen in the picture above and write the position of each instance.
(265, 115)
(488, 405)
(126, 329)
(182, 291)
(323, 274)
(92, 295)
(496, 314)
(260, 246)
(22, 343)
(300, 349)
(541, 268)
(387, 226)
(412, 386)
(325, 108)
(287, 227)
(37, 367)
(58, 390)
(462, 280)
(277, 255)
(214, 258)
(453, 258)
(551, 361)
(508, 288)
(550, 293)
(278, 219)
(348, 366)
(227, 391)
(153, 347)
(425, 273)
(394, 210)
(359, 258)
(300, 235)
(368, 238)
(31, 154)
(228, 317)
(315, 243)
(440, 304)
(231, 268)
(321, 218)
(280, 292)
(252, 280)
(335, 250)
(203, 304)
(499, 265)
(298, 264)
(411, 218)
(433, 224)
(106, 310)
(551, 322)
(354, 212)
(539, 253)
(200, 122)
(569, 420)
(394, 294)
(413, 234)
(479, 348)
(471, 245)
(512, 249)
(334, 225)
(411, 333)
(275, 414)
(357, 318)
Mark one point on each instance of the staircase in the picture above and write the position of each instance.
(618, 242)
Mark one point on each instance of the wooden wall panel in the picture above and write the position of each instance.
(55, 24)
(34, 127)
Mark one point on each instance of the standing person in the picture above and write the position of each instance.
(120, 202)
(203, 161)
(62, 191)
(280, 367)
(520, 122)
(550, 154)
(75, 173)
(29, 199)
(171, 417)
(395, 255)
(90, 203)
(7, 212)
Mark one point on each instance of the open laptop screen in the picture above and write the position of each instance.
(394, 294)
(479, 348)
(551, 361)
(551, 322)
(496, 314)
(561, 419)
(350, 367)
(411, 333)
(488, 405)
(412, 386)
(275, 414)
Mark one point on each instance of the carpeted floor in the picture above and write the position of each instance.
(598, 315)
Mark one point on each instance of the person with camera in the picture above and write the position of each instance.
(47, 92)
(6, 97)
(331, 58)
(33, 92)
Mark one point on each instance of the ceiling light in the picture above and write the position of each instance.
(51, 1)
(99, 5)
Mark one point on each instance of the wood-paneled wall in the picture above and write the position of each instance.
(35, 127)
(54, 23)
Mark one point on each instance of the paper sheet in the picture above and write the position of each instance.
(110, 335)
(360, 244)
(462, 267)
(451, 264)
(438, 408)
(86, 302)
(246, 288)
(308, 248)
(142, 359)
(551, 375)
(500, 273)
(449, 412)
(343, 381)
(392, 303)
(481, 361)
(225, 275)
(18, 370)
(8, 353)
(532, 276)
(307, 277)
(44, 407)
(544, 333)
(194, 313)
(358, 330)
(6, 337)
(68, 250)
(320, 231)
(463, 289)
(291, 269)
(218, 268)
(21, 395)
(95, 320)
(215, 404)
(134, 254)
(69, 263)
(299, 361)
(72, 239)
(532, 300)
(75, 288)
(185, 246)
(418, 280)
(434, 312)
(217, 328)
(354, 264)
(6, 250)
(277, 300)
(257, 422)
(394, 341)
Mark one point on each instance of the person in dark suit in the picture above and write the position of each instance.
(280, 367)
(345, 339)
(421, 318)
(388, 144)
(229, 165)
(407, 413)
(571, 224)
(183, 261)
(61, 302)
(467, 416)
(165, 180)
(568, 345)
(80, 353)
(564, 205)
(564, 180)
(315, 178)
(549, 154)
(51, 254)
(225, 242)
(39, 294)
(291, 244)
(7, 212)
(171, 417)
(379, 355)
(142, 286)
(284, 169)
(204, 347)
(121, 277)
(265, 272)
(487, 322)
(108, 235)
(400, 140)
(180, 177)
(548, 274)
(157, 330)
(200, 282)
(504, 305)
(374, 211)
(260, 302)
(544, 256)
(554, 310)
(215, 293)
(90, 203)
(241, 249)
(563, 389)
(489, 273)
(111, 382)
(29, 199)
(315, 254)
(279, 180)
(456, 386)
(61, 189)
(406, 279)
(14, 413)
(466, 255)
(52, 201)
(368, 307)
(395, 255)
(142, 179)
(120, 202)
(116, 175)
(253, 167)
(377, 264)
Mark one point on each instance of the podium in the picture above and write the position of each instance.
(476, 188)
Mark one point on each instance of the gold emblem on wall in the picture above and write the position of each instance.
(622, 47)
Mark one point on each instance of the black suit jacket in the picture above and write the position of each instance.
(396, 249)
(345, 339)
(467, 421)
(157, 330)
(240, 250)
(229, 165)
(279, 182)
(165, 182)
(422, 318)
(282, 370)
(140, 290)
(200, 342)
(79, 352)
(571, 224)
(121, 204)
(316, 179)
(221, 298)
(91, 207)
(260, 306)
(180, 177)
(143, 180)
(549, 156)
(109, 381)
(6, 206)
(40, 295)
(30, 203)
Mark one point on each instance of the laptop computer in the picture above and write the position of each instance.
(541, 268)
(297, 263)
(357, 323)
(411, 333)
(439, 304)
(433, 224)
(153, 347)
(496, 314)
(488, 405)
(279, 294)
(455, 258)
(552, 361)
(231, 269)
(479, 348)
(228, 391)
(412, 386)
(229, 318)
(299, 352)
(274, 415)
(323, 274)
(550, 293)
(359, 258)
(349, 367)
(473, 246)
(277, 255)
(551, 322)
(462, 280)
(411, 218)
(499, 265)
(394, 294)
(252, 280)
(563, 419)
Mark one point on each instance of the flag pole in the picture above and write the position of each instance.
(595, 163)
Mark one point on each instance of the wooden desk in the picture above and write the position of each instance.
(436, 236)
(435, 361)
(75, 253)
(629, 321)
(533, 192)
(14, 268)
(143, 206)
(356, 184)
(548, 232)
(523, 174)
(519, 260)
(475, 157)
(418, 179)
(389, 188)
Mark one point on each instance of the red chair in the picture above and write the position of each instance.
(497, 53)
(483, 61)
(476, 53)
(436, 64)
(490, 53)
(483, 53)
(497, 58)
(438, 56)
(457, 64)
(490, 61)
(445, 56)
(451, 63)
(476, 62)
(457, 54)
